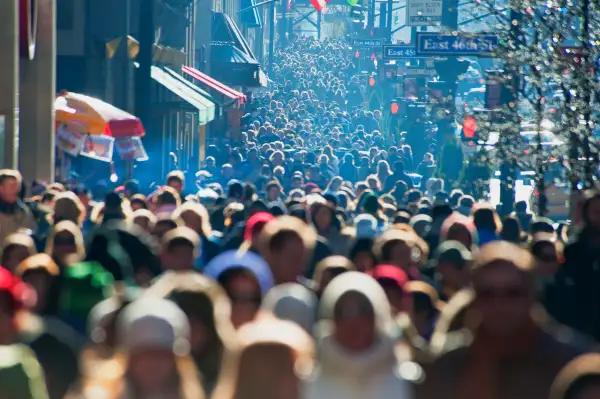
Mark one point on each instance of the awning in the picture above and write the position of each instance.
(225, 30)
(226, 52)
(206, 108)
(215, 85)
(250, 15)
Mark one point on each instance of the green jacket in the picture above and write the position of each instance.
(21, 376)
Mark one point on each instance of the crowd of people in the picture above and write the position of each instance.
(317, 258)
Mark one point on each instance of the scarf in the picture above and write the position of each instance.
(10, 209)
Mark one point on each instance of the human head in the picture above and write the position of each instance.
(16, 248)
(10, 185)
(180, 249)
(246, 278)
(357, 309)
(502, 278)
(286, 245)
(154, 334)
(267, 362)
(176, 180)
(65, 243)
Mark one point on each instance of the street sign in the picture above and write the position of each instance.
(423, 12)
(366, 42)
(398, 51)
(432, 43)
(420, 71)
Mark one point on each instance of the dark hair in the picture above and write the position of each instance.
(279, 239)
(511, 230)
(178, 241)
(168, 196)
(485, 218)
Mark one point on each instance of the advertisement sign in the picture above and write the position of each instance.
(399, 51)
(131, 148)
(99, 148)
(423, 12)
(69, 140)
(432, 43)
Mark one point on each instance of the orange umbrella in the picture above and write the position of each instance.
(88, 115)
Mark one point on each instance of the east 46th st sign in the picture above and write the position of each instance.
(431, 43)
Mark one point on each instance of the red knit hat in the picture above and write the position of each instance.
(390, 273)
(256, 223)
(21, 295)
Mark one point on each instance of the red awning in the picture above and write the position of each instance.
(215, 84)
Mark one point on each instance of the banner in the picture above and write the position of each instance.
(131, 149)
(99, 147)
(69, 141)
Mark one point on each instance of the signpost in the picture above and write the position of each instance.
(423, 12)
(366, 42)
(419, 71)
(398, 51)
(432, 43)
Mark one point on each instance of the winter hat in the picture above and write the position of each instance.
(452, 252)
(256, 223)
(390, 273)
(292, 302)
(246, 260)
(152, 322)
(366, 226)
(19, 294)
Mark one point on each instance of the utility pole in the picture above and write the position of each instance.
(143, 79)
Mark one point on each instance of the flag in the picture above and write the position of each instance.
(352, 2)
(318, 4)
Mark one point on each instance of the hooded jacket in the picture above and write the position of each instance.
(372, 374)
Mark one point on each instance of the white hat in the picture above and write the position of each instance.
(366, 226)
(154, 323)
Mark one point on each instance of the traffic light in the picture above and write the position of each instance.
(394, 107)
(357, 13)
(469, 129)
(371, 81)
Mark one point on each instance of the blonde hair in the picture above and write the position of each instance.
(197, 209)
(237, 380)
(67, 206)
(111, 380)
(69, 227)
(38, 262)
(286, 224)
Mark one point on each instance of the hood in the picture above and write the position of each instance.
(252, 262)
(292, 302)
(365, 285)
